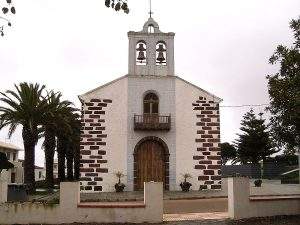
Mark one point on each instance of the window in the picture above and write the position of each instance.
(151, 102)
(13, 177)
(150, 28)
(14, 156)
(141, 53)
(161, 53)
(40, 174)
(8, 155)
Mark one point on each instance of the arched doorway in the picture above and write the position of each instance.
(151, 162)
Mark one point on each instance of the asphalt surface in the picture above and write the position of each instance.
(280, 220)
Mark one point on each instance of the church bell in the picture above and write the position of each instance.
(161, 58)
(141, 57)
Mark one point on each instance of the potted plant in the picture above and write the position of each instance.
(119, 186)
(258, 183)
(185, 185)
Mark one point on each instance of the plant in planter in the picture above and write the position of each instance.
(185, 185)
(258, 183)
(119, 186)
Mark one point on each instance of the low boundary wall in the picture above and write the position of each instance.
(70, 210)
(246, 170)
(241, 205)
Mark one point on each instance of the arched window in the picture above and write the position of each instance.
(151, 102)
(150, 28)
(141, 53)
(161, 53)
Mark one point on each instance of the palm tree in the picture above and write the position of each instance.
(64, 140)
(72, 153)
(56, 113)
(76, 145)
(25, 107)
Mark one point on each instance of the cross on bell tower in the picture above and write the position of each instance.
(150, 12)
(151, 52)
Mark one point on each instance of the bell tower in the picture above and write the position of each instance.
(151, 52)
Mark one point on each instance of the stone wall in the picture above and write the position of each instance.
(93, 162)
(208, 159)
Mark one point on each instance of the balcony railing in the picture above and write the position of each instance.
(152, 122)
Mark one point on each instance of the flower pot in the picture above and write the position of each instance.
(185, 186)
(119, 187)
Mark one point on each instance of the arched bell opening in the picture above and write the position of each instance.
(151, 29)
(161, 53)
(141, 53)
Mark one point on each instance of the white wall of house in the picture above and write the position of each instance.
(39, 174)
(17, 171)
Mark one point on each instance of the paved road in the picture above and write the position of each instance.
(291, 220)
(196, 205)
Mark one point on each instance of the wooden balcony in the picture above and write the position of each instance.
(152, 122)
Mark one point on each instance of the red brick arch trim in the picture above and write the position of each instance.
(167, 156)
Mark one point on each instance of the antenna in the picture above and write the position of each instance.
(150, 12)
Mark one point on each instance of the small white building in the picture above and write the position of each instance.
(16, 174)
(150, 124)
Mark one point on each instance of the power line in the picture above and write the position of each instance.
(240, 106)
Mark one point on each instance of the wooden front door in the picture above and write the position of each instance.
(150, 164)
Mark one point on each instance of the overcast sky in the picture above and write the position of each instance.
(73, 46)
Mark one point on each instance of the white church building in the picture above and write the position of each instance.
(150, 124)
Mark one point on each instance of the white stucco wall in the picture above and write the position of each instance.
(164, 87)
(71, 211)
(175, 98)
(116, 129)
(186, 131)
(38, 172)
(241, 205)
(18, 170)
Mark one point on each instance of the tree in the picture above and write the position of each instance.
(6, 9)
(254, 144)
(73, 152)
(117, 5)
(56, 113)
(76, 127)
(4, 163)
(65, 146)
(25, 107)
(284, 92)
(228, 152)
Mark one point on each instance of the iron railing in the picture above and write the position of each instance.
(152, 122)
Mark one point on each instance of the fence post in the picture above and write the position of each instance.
(69, 195)
(238, 197)
(3, 191)
(153, 199)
